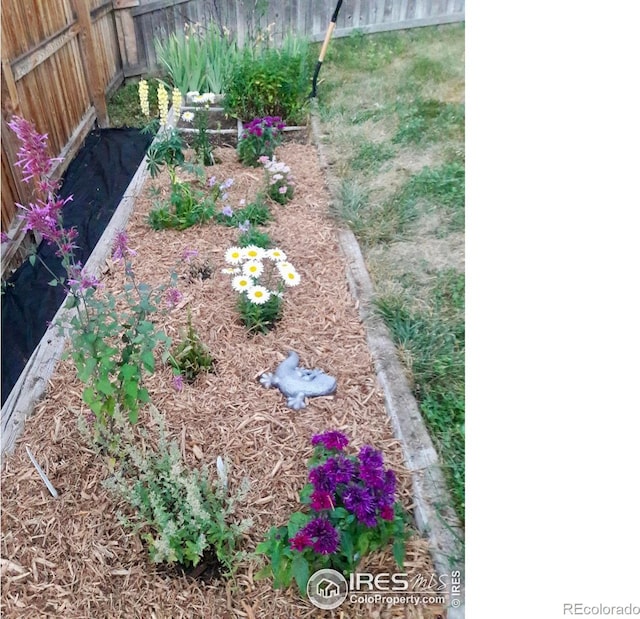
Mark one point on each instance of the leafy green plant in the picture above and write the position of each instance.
(202, 142)
(256, 213)
(352, 512)
(190, 356)
(182, 518)
(270, 82)
(260, 277)
(188, 204)
(259, 138)
(280, 185)
(253, 236)
(112, 348)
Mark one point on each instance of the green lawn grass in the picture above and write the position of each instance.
(392, 111)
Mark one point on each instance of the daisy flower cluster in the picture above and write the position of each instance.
(250, 264)
(193, 96)
(279, 180)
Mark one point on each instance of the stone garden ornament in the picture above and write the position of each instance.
(297, 383)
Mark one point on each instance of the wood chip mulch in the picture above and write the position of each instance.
(70, 557)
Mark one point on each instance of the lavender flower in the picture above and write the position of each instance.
(226, 184)
(227, 210)
(121, 246)
(177, 382)
(244, 227)
(188, 254)
(331, 439)
(282, 190)
(173, 297)
(212, 181)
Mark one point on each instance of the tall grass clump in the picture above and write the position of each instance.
(198, 60)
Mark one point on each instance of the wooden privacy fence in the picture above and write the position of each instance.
(61, 58)
(144, 20)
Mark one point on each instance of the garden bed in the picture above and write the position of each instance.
(70, 557)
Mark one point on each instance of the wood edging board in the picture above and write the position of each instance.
(32, 382)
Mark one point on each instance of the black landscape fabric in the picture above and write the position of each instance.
(97, 179)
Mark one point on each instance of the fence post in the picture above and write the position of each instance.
(126, 34)
(90, 63)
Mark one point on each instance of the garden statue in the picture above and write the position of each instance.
(296, 383)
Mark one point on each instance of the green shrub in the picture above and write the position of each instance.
(270, 82)
(180, 516)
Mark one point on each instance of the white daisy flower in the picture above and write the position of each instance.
(290, 277)
(258, 295)
(253, 268)
(252, 252)
(235, 271)
(234, 255)
(188, 117)
(240, 283)
(284, 267)
(276, 254)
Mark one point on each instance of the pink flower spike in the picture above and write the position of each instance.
(178, 382)
(121, 246)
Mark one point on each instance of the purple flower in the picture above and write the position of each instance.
(300, 541)
(6, 238)
(212, 181)
(361, 502)
(121, 246)
(226, 184)
(321, 500)
(227, 210)
(341, 469)
(173, 297)
(323, 478)
(282, 190)
(244, 227)
(187, 254)
(325, 535)
(32, 157)
(80, 280)
(331, 439)
(178, 382)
